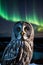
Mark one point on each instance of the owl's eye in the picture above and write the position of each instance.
(26, 28)
(18, 29)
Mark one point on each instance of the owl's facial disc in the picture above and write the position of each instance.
(17, 30)
(27, 31)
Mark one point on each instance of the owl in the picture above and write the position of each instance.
(20, 49)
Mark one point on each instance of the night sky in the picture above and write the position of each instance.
(21, 10)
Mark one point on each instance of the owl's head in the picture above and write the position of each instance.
(23, 30)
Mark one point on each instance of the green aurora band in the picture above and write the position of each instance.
(6, 14)
(15, 16)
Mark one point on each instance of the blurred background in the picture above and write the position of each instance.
(31, 11)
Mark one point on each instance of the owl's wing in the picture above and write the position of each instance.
(11, 52)
(8, 52)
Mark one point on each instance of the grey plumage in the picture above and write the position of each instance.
(20, 49)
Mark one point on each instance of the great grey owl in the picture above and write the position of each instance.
(20, 49)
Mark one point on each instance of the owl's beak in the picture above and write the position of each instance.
(22, 33)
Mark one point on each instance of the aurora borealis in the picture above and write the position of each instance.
(22, 10)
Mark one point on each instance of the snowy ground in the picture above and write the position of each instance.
(33, 64)
(30, 64)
